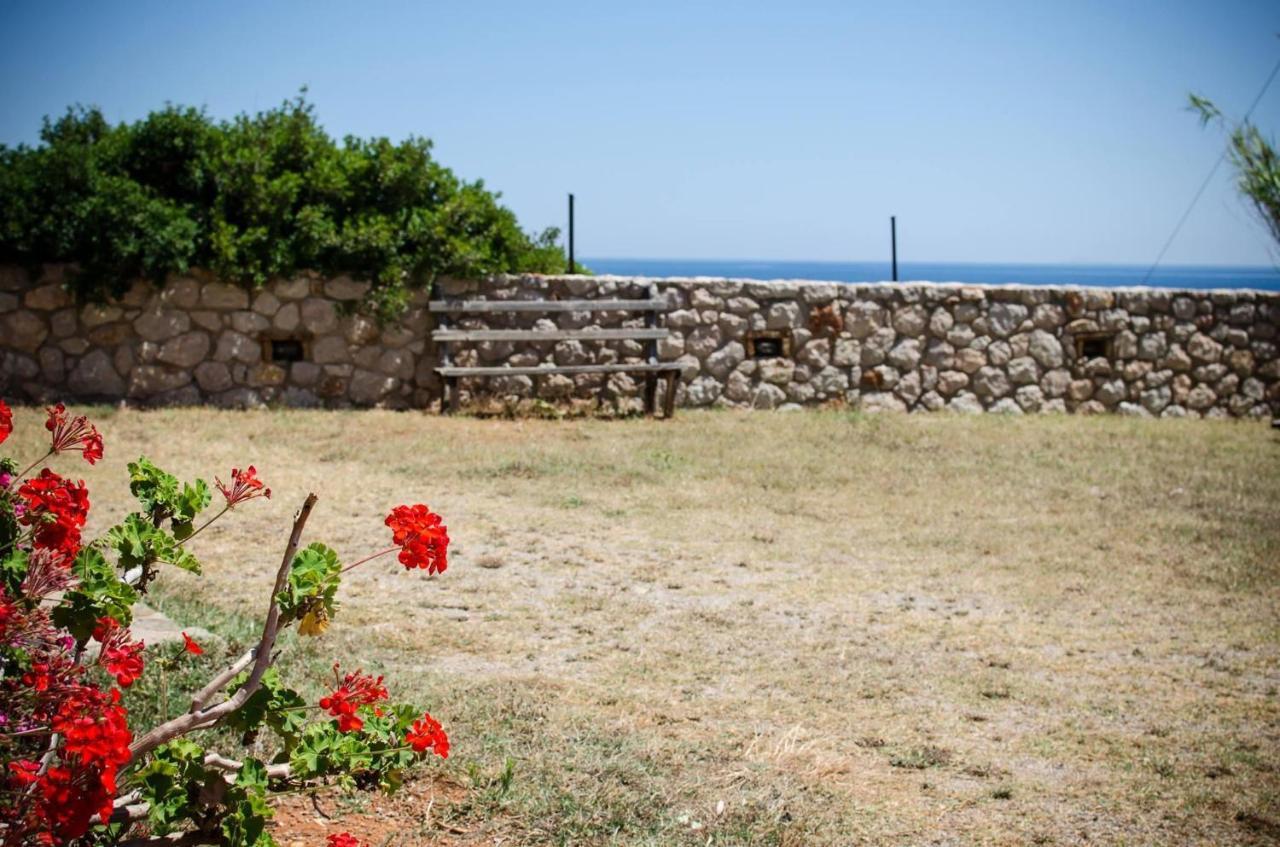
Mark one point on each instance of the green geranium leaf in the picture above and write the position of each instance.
(324, 751)
(164, 498)
(100, 593)
(129, 539)
(138, 542)
(170, 784)
(154, 488)
(193, 500)
(274, 705)
(313, 583)
(245, 822)
(168, 550)
(13, 569)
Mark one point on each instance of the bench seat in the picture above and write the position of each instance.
(544, 370)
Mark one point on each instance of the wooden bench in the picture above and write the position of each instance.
(444, 334)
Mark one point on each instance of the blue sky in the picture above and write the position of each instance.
(996, 132)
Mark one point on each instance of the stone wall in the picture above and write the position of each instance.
(202, 341)
(743, 343)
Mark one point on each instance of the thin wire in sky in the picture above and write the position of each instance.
(1208, 179)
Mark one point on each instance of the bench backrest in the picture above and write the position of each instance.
(446, 308)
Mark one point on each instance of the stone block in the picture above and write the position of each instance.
(47, 298)
(911, 320)
(222, 296)
(24, 330)
(783, 315)
(186, 350)
(161, 324)
(181, 293)
(905, 355)
(990, 382)
(318, 316)
(213, 377)
(95, 376)
(237, 347)
(148, 380)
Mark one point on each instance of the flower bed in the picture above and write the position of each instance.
(76, 771)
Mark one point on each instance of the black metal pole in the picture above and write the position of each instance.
(570, 234)
(893, 242)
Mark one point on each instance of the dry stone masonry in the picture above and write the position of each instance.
(743, 343)
(295, 342)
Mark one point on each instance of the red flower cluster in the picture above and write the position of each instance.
(427, 734)
(422, 537)
(119, 656)
(96, 740)
(73, 434)
(6, 421)
(63, 807)
(245, 485)
(343, 839)
(357, 689)
(58, 508)
(94, 729)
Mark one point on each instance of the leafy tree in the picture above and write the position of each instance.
(1255, 160)
(253, 198)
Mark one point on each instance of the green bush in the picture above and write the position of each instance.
(254, 198)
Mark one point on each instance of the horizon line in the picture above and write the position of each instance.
(901, 262)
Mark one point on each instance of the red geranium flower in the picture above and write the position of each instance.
(422, 537)
(24, 771)
(73, 434)
(6, 421)
(344, 839)
(119, 656)
(40, 677)
(58, 508)
(245, 485)
(356, 690)
(189, 644)
(427, 734)
(8, 612)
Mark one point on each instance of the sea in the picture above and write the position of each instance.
(1108, 276)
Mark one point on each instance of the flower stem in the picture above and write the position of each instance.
(17, 479)
(368, 559)
(40, 730)
(22, 539)
(202, 526)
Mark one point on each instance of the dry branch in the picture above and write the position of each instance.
(261, 656)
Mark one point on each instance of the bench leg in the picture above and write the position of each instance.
(449, 399)
(669, 401)
(650, 393)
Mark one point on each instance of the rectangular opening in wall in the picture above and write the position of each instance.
(768, 345)
(1096, 345)
(286, 350)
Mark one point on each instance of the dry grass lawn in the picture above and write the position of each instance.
(796, 629)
